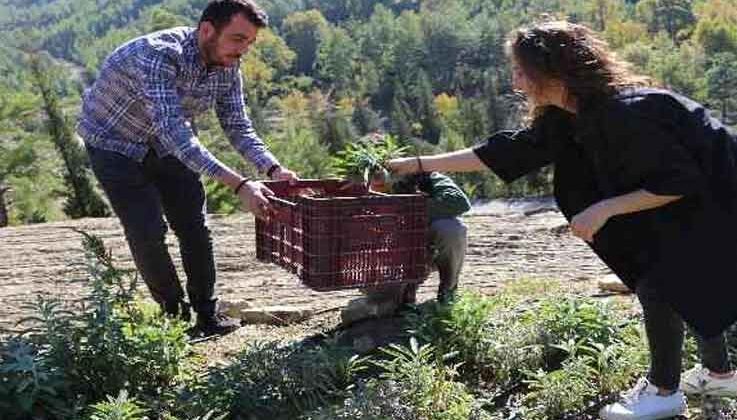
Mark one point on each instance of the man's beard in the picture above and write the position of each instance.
(209, 54)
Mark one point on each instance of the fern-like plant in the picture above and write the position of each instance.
(359, 161)
(120, 408)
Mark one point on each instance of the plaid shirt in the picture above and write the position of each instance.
(148, 94)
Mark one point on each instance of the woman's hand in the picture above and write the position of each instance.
(587, 223)
(404, 166)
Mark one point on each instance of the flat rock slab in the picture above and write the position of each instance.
(369, 334)
(612, 283)
(233, 308)
(275, 315)
(364, 307)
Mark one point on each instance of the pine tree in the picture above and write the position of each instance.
(427, 112)
(82, 200)
(401, 120)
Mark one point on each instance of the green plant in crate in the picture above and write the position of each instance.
(359, 161)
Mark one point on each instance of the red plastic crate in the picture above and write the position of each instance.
(345, 238)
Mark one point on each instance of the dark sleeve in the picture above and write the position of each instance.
(512, 154)
(654, 152)
(446, 197)
(674, 170)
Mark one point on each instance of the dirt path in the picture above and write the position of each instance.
(48, 258)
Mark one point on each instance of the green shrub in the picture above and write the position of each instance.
(562, 392)
(29, 384)
(414, 384)
(571, 322)
(485, 334)
(66, 361)
(271, 380)
(120, 408)
(525, 350)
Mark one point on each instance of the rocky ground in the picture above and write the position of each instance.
(508, 241)
(503, 246)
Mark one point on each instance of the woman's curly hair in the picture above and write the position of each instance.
(574, 55)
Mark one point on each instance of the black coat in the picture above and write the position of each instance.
(663, 143)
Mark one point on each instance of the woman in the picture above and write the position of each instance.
(647, 179)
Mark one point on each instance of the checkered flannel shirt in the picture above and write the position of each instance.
(149, 92)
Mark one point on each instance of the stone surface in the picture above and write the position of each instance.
(232, 308)
(612, 283)
(275, 315)
(366, 308)
(48, 258)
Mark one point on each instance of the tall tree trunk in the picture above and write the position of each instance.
(4, 219)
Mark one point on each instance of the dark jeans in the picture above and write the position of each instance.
(665, 332)
(141, 195)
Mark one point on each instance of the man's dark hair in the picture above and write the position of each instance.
(220, 12)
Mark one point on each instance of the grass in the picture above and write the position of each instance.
(533, 351)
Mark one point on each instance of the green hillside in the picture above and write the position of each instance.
(431, 72)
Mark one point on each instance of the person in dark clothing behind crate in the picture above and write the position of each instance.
(446, 202)
(648, 179)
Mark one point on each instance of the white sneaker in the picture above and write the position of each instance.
(643, 403)
(697, 381)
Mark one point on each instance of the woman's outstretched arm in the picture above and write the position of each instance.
(464, 160)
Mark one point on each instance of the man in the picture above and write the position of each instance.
(448, 241)
(138, 122)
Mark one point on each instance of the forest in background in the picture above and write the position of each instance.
(327, 72)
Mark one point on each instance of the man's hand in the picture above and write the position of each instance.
(587, 223)
(284, 174)
(253, 196)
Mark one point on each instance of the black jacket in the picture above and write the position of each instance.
(657, 141)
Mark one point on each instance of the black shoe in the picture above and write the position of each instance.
(178, 309)
(409, 295)
(216, 324)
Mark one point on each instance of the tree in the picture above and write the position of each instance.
(82, 200)
(427, 112)
(448, 37)
(722, 81)
(604, 11)
(365, 119)
(401, 122)
(19, 156)
(716, 35)
(304, 31)
(337, 61)
(333, 120)
(268, 61)
(160, 18)
(671, 16)
(19, 159)
(626, 32)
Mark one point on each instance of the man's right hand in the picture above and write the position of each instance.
(253, 196)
